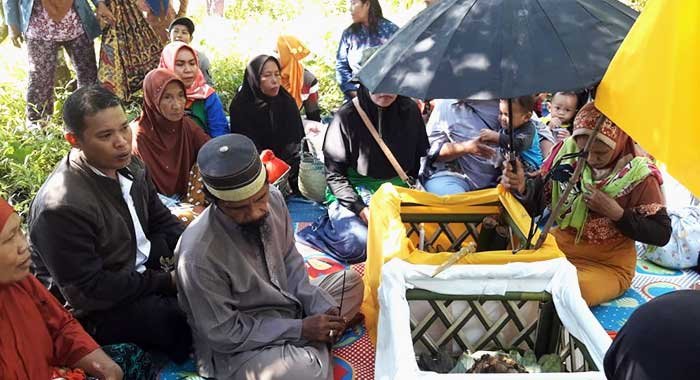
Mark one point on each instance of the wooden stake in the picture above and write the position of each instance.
(572, 181)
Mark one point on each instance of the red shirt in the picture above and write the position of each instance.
(37, 333)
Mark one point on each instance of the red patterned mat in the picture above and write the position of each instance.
(353, 354)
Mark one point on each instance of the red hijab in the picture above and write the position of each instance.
(199, 88)
(169, 148)
(5, 211)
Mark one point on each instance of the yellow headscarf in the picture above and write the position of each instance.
(291, 51)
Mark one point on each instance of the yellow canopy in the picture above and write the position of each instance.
(652, 87)
(387, 234)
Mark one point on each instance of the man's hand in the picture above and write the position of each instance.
(477, 148)
(322, 328)
(16, 36)
(104, 15)
(364, 215)
(602, 203)
(513, 181)
(453, 151)
(488, 136)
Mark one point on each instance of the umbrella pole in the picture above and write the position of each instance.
(574, 178)
(511, 159)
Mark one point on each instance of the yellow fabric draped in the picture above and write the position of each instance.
(652, 86)
(291, 52)
(387, 234)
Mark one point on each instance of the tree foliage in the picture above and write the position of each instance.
(250, 27)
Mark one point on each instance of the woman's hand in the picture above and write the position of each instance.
(602, 203)
(16, 36)
(364, 215)
(104, 15)
(99, 365)
(513, 180)
(561, 134)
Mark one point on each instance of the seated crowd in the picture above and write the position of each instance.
(230, 288)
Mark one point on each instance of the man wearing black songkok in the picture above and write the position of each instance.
(244, 287)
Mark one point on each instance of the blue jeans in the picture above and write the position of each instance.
(447, 184)
(341, 234)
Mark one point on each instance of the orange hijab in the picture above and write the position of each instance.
(199, 89)
(291, 51)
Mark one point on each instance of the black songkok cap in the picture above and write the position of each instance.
(231, 168)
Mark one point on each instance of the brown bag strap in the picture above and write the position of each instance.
(387, 152)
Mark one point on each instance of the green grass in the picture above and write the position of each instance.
(250, 28)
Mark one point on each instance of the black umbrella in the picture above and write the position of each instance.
(490, 49)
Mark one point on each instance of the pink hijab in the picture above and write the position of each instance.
(199, 88)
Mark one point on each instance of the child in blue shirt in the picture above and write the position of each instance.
(525, 138)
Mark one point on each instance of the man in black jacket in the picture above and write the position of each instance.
(99, 232)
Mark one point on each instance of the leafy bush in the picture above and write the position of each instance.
(251, 27)
(26, 159)
(323, 68)
(227, 73)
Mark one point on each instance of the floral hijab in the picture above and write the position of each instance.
(628, 170)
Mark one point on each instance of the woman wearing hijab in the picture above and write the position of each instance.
(661, 340)
(166, 140)
(265, 112)
(356, 167)
(299, 82)
(203, 104)
(616, 202)
(39, 339)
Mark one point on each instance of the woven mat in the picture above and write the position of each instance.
(650, 281)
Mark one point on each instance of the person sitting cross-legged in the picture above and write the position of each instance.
(616, 201)
(356, 166)
(243, 284)
(36, 332)
(165, 139)
(99, 232)
(203, 103)
(39, 339)
(458, 161)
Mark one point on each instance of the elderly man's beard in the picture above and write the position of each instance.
(252, 229)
